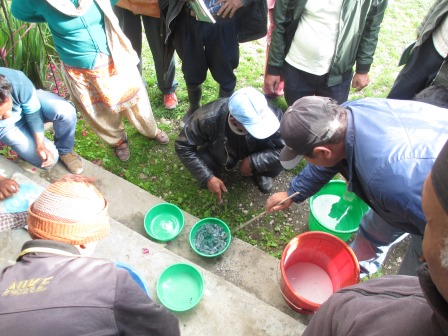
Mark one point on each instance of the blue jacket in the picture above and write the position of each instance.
(24, 101)
(78, 39)
(390, 146)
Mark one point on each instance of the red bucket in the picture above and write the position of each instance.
(313, 266)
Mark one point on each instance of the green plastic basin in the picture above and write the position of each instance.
(164, 222)
(214, 245)
(180, 287)
(335, 210)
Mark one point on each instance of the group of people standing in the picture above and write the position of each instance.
(384, 148)
(99, 65)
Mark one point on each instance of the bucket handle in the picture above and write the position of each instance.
(301, 310)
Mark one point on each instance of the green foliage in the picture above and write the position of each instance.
(378, 274)
(26, 46)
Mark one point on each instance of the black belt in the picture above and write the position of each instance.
(191, 12)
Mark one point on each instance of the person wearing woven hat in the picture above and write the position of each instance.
(23, 112)
(55, 288)
(384, 148)
(243, 128)
(400, 305)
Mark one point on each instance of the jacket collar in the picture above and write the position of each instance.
(68, 8)
(48, 246)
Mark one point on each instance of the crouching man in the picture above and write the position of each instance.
(242, 129)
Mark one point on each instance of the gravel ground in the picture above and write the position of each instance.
(297, 216)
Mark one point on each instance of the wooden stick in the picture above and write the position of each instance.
(263, 213)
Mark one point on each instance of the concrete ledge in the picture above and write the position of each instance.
(224, 309)
(243, 265)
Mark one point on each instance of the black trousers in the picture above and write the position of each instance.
(131, 25)
(204, 46)
(418, 73)
(299, 84)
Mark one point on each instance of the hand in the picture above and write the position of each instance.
(216, 186)
(245, 169)
(271, 83)
(229, 7)
(360, 81)
(272, 202)
(46, 156)
(8, 188)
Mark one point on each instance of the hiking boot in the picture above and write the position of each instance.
(170, 101)
(73, 162)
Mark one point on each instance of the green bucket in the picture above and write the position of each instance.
(336, 210)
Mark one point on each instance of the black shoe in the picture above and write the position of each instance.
(264, 183)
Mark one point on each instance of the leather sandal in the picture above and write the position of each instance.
(122, 150)
(161, 137)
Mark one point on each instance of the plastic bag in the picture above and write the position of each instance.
(21, 200)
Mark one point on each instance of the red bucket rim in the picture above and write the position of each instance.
(324, 235)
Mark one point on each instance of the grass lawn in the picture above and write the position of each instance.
(158, 170)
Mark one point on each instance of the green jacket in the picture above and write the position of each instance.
(360, 22)
(432, 19)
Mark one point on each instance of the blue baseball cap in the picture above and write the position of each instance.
(250, 108)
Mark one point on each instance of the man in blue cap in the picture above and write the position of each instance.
(241, 129)
(384, 148)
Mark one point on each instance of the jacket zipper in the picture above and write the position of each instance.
(391, 294)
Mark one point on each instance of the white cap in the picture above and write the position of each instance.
(250, 108)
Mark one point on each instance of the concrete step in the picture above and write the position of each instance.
(242, 294)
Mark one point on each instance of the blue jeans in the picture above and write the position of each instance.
(374, 239)
(300, 84)
(54, 109)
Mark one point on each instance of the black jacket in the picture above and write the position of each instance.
(207, 127)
